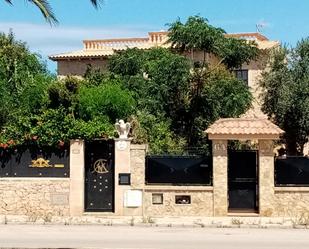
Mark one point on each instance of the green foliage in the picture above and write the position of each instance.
(6, 101)
(96, 128)
(234, 52)
(108, 100)
(180, 101)
(226, 96)
(52, 126)
(127, 63)
(169, 103)
(167, 84)
(220, 95)
(40, 109)
(198, 35)
(17, 65)
(34, 96)
(286, 94)
(18, 130)
(156, 131)
(63, 93)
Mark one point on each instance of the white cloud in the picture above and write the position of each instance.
(49, 40)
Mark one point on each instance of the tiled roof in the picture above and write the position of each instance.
(107, 47)
(248, 36)
(244, 128)
(83, 54)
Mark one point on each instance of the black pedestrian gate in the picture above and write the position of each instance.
(243, 181)
(99, 176)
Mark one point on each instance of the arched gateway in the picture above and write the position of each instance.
(243, 181)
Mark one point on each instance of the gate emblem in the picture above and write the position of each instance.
(100, 166)
(40, 163)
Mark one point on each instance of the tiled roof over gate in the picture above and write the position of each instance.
(244, 128)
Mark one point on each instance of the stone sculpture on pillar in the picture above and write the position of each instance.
(122, 128)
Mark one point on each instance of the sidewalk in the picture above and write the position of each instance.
(209, 222)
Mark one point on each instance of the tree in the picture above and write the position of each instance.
(158, 77)
(36, 108)
(219, 95)
(169, 101)
(21, 73)
(107, 100)
(46, 9)
(182, 100)
(286, 94)
(198, 35)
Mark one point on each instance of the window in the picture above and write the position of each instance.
(242, 74)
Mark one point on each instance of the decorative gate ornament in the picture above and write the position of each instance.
(100, 166)
(40, 163)
(43, 163)
(122, 128)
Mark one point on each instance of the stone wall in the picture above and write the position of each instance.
(201, 196)
(201, 201)
(219, 152)
(291, 202)
(34, 197)
(138, 153)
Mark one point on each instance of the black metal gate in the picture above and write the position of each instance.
(99, 176)
(243, 180)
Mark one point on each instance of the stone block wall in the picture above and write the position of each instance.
(201, 201)
(34, 197)
(291, 202)
(201, 196)
(138, 153)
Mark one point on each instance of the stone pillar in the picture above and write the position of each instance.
(138, 154)
(122, 165)
(266, 177)
(219, 153)
(77, 177)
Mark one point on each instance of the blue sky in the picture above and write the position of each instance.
(283, 20)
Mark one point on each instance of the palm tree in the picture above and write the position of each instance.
(47, 11)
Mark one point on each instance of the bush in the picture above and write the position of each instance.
(108, 100)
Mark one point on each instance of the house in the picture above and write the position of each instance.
(95, 53)
(117, 178)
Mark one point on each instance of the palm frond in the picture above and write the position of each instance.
(45, 9)
(96, 3)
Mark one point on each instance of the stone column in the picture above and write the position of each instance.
(77, 177)
(122, 165)
(266, 177)
(138, 154)
(219, 153)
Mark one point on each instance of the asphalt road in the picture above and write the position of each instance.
(93, 236)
